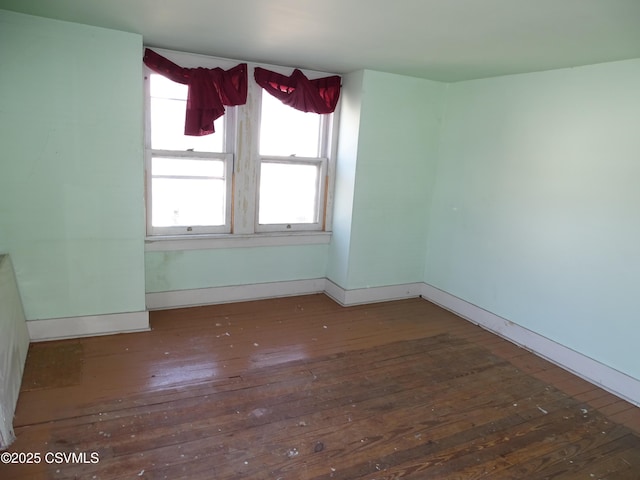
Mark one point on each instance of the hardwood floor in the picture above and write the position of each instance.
(301, 388)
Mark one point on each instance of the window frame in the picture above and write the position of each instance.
(227, 160)
(243, 161)
(228, 143)
(318, 224)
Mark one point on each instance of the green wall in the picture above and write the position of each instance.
(390, 182)
(193, 269)
(71, 173)
(535, 214)
(347, 158)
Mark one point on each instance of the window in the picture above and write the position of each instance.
(293, 166)
(267, 169)
(188, 178)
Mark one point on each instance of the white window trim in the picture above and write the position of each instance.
(244, 127)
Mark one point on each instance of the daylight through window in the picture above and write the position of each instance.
(267, 168)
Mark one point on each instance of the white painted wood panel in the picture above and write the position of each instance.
(14, 344)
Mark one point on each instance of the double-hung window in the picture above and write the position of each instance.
(188, 178)
(268, 168)
(293, 168)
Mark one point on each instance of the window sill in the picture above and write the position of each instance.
(205, 242)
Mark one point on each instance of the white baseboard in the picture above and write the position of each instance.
(362, 296)
(335, 292)
(259, 291)
(236, 293)
(609, 379)
(87, 326)
(612, 380)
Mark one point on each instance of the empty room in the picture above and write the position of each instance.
(293, 240)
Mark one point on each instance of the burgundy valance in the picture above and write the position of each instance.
(319, 95)
(210, 89)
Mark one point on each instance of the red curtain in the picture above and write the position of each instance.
(317, 96)
(210, 89)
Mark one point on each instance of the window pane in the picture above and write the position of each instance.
(187, 192)
(187, 202)
(168, 108)
(288, 193)
(160, 86)
(285, 131)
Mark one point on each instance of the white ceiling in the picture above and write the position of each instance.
(446, 40)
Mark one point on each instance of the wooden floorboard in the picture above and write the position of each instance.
(301, 388)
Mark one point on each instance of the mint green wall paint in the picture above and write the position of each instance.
(71, 171)
(192, 269)
(347, 157)
(535, 214)
(396, 158)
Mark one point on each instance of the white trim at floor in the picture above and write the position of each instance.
(236, 293)
(87, 326)
(612, 380)
(603, 376)
(361, 296)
